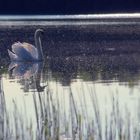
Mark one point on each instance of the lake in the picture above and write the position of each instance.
(87, 88)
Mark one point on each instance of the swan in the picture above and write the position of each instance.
(28, 52)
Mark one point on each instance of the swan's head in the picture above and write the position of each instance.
(39, 32)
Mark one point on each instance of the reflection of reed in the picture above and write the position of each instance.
(5, 127)
(56, 121)
(1, 110)
(80, 125)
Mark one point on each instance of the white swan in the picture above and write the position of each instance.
(27, 52)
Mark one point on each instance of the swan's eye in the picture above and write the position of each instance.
(42, 32)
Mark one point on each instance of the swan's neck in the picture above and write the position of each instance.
(38, 46)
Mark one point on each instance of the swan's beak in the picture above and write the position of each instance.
(42, 31)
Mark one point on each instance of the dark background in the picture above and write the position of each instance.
(68, 6)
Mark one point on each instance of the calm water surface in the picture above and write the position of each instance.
(87, 88)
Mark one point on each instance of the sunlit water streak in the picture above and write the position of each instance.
(63, 17)
(90, 19)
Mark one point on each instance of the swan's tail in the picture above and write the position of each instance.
(12, 55)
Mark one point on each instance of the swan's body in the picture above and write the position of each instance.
(27, 52)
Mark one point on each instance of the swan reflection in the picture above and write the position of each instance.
(28, 75)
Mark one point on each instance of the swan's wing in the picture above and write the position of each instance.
(12, 55)
(22, 53)
(30, 48)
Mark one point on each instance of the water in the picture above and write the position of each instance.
(87, 88)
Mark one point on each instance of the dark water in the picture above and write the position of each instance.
(87, 87)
